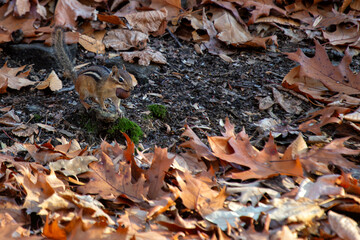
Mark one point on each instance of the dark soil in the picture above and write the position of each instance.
(197, 90)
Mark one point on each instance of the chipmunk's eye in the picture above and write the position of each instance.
(120, 79)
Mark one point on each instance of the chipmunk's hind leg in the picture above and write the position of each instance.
(82, 97)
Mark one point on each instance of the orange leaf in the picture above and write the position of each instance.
(53, 231)
(261, 8)
(109, 184)
(197, 145)
(156, 173)
(268, 163)
(327, 115)
(67, 11)
(317, 160)
(9, 78)
(198, 195)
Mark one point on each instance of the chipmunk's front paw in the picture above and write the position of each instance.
(120, 113)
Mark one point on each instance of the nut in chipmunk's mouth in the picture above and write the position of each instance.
(121, 93)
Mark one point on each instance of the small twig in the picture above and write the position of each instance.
(275, 74)
(9, 136)
(305, 99)
(175, 38)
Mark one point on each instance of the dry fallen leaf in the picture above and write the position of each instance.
(13, 78)
(53, 82)
(325, 185)
(148, 21)
(25, 130)
(345, 227)
(263, 164)
(354, 116)
(292, 211)
(46, 127)
(92, 44)
(318, 159)
(173, 7)
(110, 184)
(309, 86)
(338, 78)
(10, 119)
(66, 16)
(124, 39)
(331, 114)
(145, 57)
(229, 30)
(74, 166)
(197, 194)
(160, 164)
(261, 8)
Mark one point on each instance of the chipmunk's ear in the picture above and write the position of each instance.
(115, 70)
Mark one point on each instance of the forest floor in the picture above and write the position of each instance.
(199, 90)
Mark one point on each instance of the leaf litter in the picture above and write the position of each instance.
(213, 186)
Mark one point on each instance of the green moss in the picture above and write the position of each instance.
(91, 126)
(37, 117)
(158, 111)
(129, 127)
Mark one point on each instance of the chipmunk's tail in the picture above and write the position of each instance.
(62, 53)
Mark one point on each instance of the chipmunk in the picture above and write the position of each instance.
(96, 82)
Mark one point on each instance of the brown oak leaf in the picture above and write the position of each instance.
(338, 78)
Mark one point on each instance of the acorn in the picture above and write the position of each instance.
(121, 93)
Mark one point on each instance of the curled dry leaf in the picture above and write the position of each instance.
(66, 16)
(343, 35)
(156, 173)
(279, 20)
(110, 184)
(303, 210)
(261, 8)
(124, 39)
(327, 115)
(145, 57)
(53, 82)
(338, 78)
(46, 127)
(304, 84)
(92, 44)
(318, 159)
(53, 230)
(38, 187)
(252, 195)
(344, 226)
(147, 22)
(13, 78)
(112, 18)
(198, 195)
(290, 105)
(25, 130)
(74, 166)
(173, 7)
(325, 185)
(229, 30)
(22, 7)
(226, 58)
(200, 149)
(354, 116)
(263, 164)
(10, 119)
